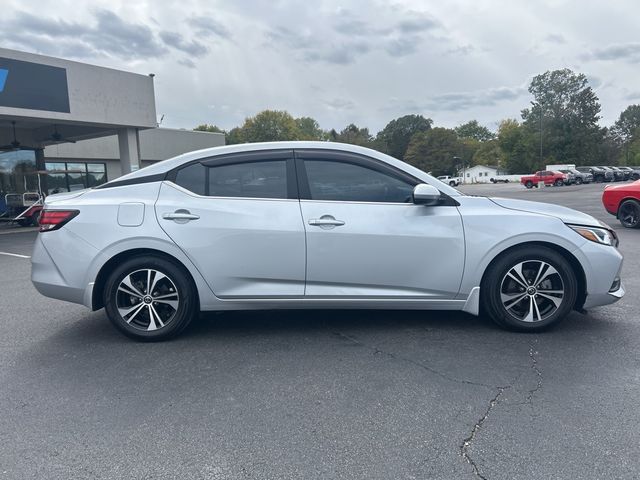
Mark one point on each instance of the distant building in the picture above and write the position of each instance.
(478, 174)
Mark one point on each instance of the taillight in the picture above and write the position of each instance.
(54, 219)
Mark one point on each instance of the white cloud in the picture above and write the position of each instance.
(451, 61)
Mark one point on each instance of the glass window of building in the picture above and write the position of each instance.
(69, 177)
(18, 175)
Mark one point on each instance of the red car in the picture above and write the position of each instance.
(623, 201)
(549, 177)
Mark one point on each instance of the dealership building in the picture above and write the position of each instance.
(67, 125)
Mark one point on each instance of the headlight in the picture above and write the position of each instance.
(598, 235)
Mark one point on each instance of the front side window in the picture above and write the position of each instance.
(332, 180)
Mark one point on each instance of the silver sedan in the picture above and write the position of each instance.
(314, 225)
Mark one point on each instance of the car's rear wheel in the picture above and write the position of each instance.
(558, 183)
(529, 289)
(629, 214)
(150, 298)
(578, 181)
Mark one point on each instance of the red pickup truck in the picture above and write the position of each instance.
(549, 177)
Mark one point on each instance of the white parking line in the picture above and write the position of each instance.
(14, 255)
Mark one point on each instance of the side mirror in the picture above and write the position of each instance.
(424, 194)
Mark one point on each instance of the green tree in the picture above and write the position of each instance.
(235, 135)
(518, 148)
(354, 135)
(205, 127)
(434, 151)
(270, 126)
(473, 130)
(489, 153)
(394, 138)
(626, 132)
(309, 129)
(564, 116)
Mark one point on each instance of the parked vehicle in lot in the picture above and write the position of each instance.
(599, 174)
(570, 177)
(621, 174)
(576, 177)
(452, 181)
(634, 173)
(314, 225)
(498, 180)
(618, 176)
(623, 201)
(549, 177)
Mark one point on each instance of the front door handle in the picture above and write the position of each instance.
(180, 216)
(326, 221)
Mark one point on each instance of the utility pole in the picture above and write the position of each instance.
(541, 135)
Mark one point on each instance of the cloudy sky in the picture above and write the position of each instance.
(364, 62)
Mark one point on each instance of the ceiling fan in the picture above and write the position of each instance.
(58, 138)
(15, 145)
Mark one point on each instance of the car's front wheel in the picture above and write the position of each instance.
(150, 298)
(578, 181)
(529, 184)
(529, 289)
(629, 214)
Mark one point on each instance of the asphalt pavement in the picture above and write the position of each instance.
(321, 394)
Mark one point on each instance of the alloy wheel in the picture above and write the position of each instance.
(532, 291)
(147, 299)
(629, 214)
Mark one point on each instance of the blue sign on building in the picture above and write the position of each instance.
(33, 86)
(3, 78)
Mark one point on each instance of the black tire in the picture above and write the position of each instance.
(452, 183)
(528, 184)
(598, 179)
(176, 295)
(558, 183)
(629, 214)
(635, 176)
(546, 311)
(578, 181)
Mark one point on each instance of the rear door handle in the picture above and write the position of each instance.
(180, 216)
(326, 221)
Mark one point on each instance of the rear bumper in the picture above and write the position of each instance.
(57, 271)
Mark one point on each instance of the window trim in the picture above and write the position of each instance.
(349, 158)
(256, 156)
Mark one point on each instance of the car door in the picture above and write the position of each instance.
(365, 237)
(238, 219)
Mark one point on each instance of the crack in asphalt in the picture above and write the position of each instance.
(466, 443)
(534, 367)
(377, 351)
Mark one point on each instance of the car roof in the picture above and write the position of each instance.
(166, 165)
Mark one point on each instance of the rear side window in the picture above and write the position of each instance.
(267, 179)
(262, 179)
(193, 178)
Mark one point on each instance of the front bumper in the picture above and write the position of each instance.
(602, 267)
